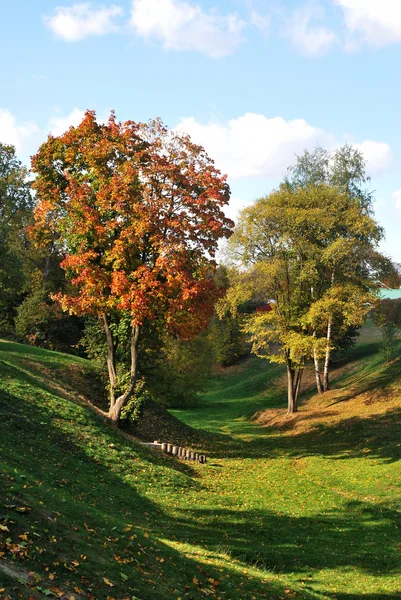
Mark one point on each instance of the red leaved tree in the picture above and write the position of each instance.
(138, 211)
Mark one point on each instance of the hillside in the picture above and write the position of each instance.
(300, 508)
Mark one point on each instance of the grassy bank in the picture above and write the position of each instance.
(302, 508)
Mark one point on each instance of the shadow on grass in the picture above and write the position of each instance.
(370, 380)
(232, 434)
(63, 407)
(89, 491)
(373, 437)
(342, 596)
(362, 536)
(86, 512)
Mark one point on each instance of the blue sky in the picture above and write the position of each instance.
(254, 81)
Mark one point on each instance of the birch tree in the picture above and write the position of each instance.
(307, 250)
(345, 169)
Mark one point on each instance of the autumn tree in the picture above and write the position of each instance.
(138, 210)
(307, 250)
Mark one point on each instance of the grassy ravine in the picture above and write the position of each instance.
(304, 508)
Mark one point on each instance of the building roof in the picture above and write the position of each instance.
(390, 294)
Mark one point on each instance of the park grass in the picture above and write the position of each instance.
(301, 508)
(319, 492)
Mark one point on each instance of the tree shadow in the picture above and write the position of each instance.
(349, 538)
(84, 495)
(86, 510)
(376, 436)
(380, 596)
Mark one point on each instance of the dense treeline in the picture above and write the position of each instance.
(170, 282)
(108, 252)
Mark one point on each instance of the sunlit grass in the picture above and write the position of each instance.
(303, 509)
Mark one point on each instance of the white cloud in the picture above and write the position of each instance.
(76, 22)
(397, 200)
(310, 39)
(59, 125)
(376, 154)
(254, 145)
(379, 21)
(260, 21)
(13, 133)
(181, 25)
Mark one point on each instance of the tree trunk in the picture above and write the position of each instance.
(328, 348)
(118, 403)
(327, 358)
(316, 361)
(317, 373)
(298, 382)
(111, 357)
(292, 400)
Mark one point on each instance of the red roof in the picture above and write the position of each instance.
(264, 308)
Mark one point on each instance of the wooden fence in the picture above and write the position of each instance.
(177, 451)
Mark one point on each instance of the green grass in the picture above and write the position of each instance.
(306, 512)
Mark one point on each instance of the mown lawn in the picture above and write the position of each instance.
(317, 505)
(277, 512)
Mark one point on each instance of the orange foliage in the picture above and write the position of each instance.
(138, 210)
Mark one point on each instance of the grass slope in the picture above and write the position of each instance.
(313, 498)
(87, 512)
(306, 510)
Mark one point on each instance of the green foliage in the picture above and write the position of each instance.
(132, 410)
(28, 275)
(180, 370)
(387, 315)
(290, 243)
(225, 329)
(227, 339)
(310, 250)
(388, 312)
(175, 370)
(42, 323)
(345, 168)
(11, 285)
(389, 337)
(94, 343)
(15, 213)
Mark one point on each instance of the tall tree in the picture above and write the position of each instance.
(138, 210)
(308, 250)
(345, 168)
